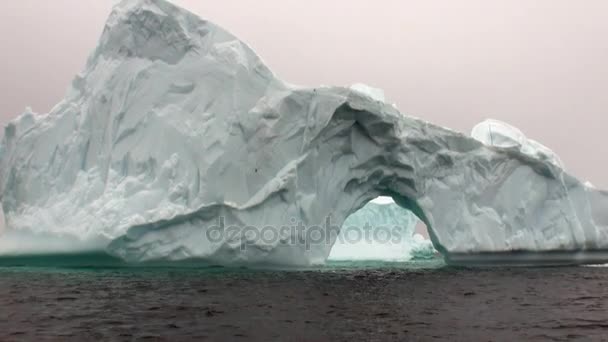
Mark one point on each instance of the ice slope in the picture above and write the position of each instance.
(177, 142)
(378, 232)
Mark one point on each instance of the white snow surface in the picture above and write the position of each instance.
(177, 142)
(502, 135)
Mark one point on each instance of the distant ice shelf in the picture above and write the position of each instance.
(177, 142)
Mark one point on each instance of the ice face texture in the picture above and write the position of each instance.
(177, 142)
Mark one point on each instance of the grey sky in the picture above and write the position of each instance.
(540, 65)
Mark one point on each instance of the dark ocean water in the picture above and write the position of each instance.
(93, 297)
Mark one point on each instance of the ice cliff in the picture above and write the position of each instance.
(177, 142)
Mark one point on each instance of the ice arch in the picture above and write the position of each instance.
(384, 231)
(176, 130)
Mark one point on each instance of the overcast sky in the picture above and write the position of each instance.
(540, 65)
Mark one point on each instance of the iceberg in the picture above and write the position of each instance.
(177, 142)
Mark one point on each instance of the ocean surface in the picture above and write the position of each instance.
(94, 297)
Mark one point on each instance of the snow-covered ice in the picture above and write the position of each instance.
(374, 93)
(176, 142)
(502, 135)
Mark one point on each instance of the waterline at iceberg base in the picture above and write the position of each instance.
(175, 123)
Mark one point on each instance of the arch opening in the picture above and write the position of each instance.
(383, 230)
